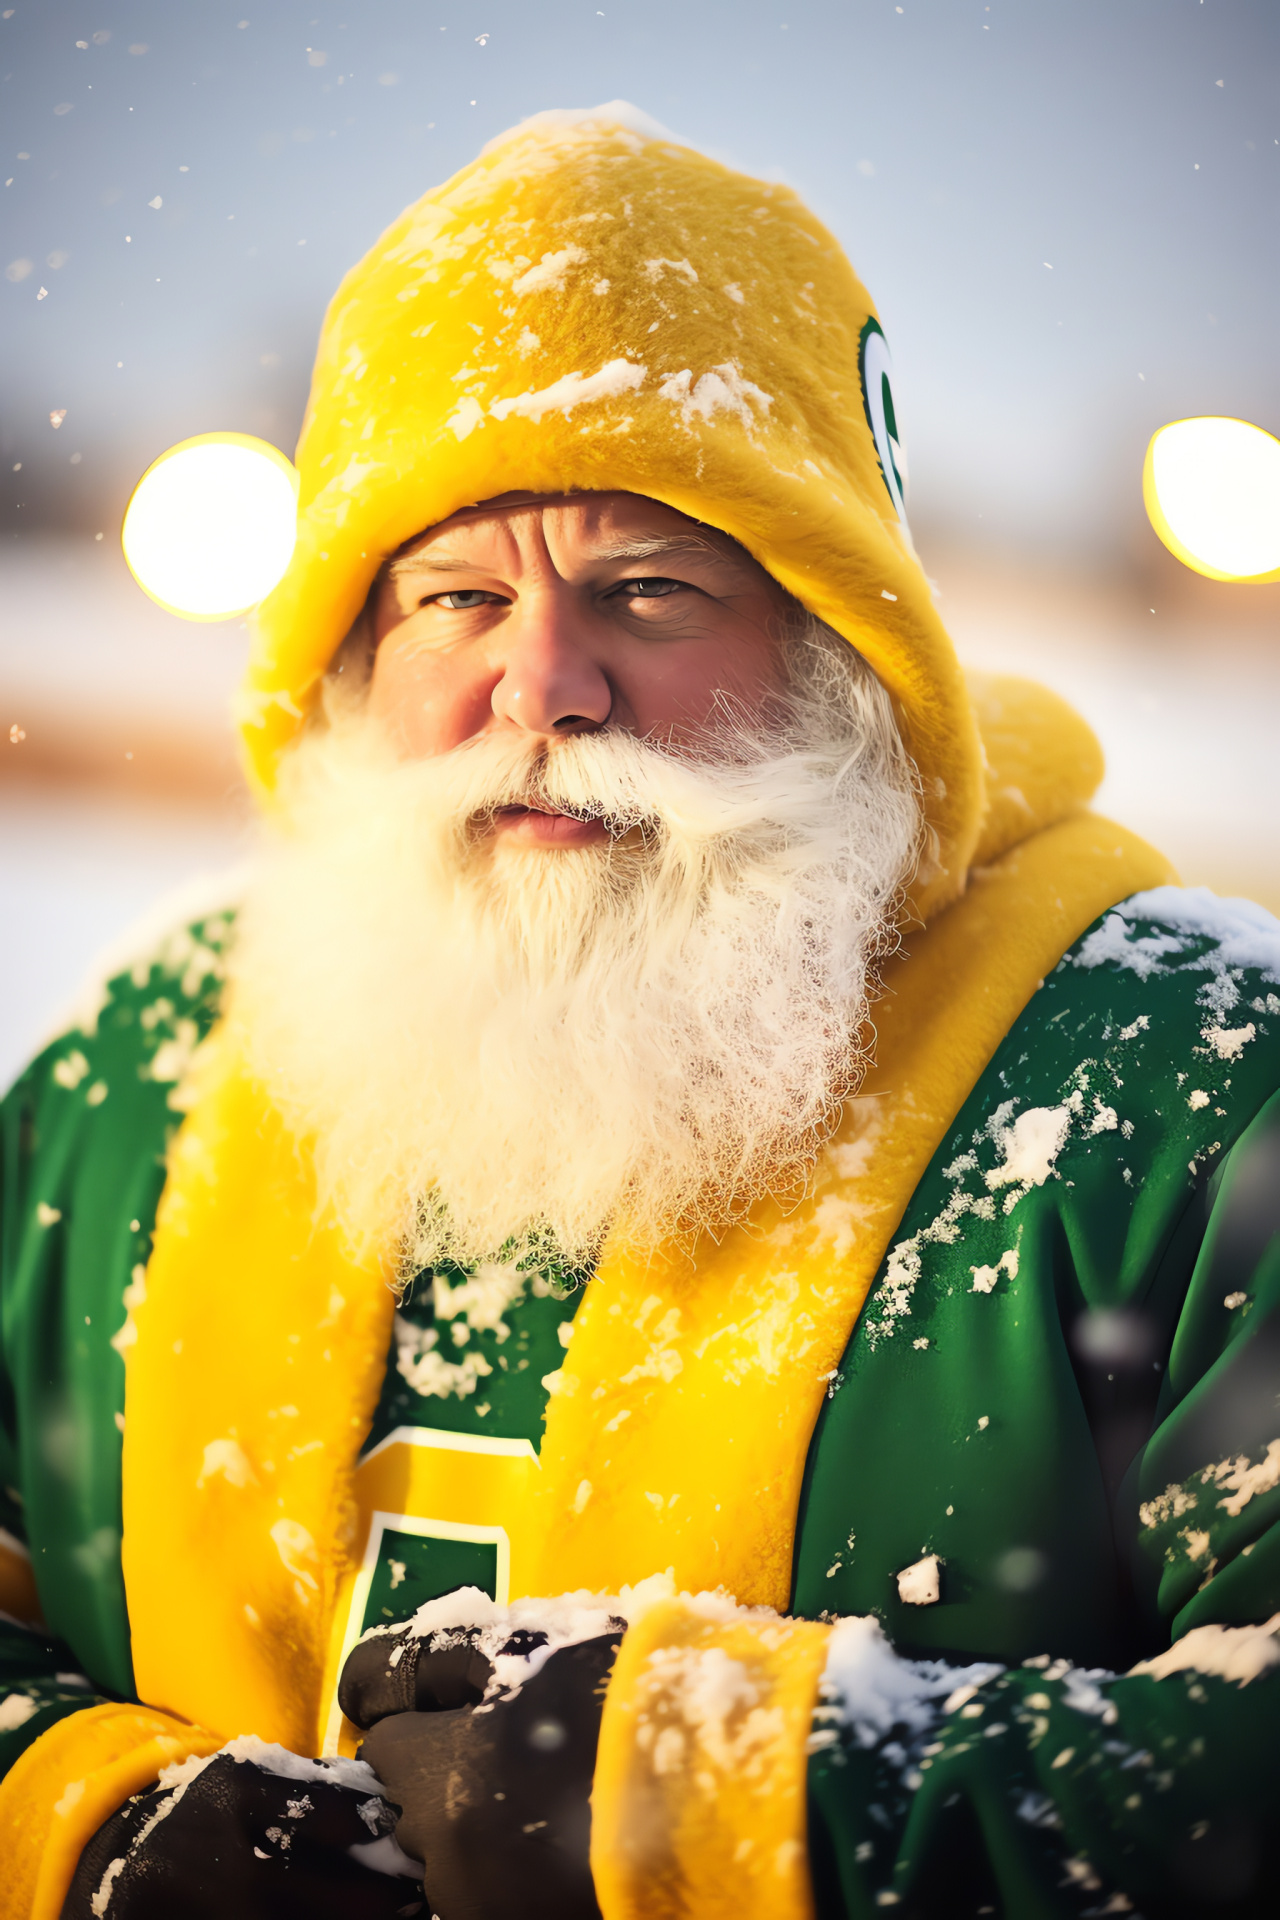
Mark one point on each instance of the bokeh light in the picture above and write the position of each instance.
(1212, 488)
(211, 525)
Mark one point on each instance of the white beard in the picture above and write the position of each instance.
(488, 1042)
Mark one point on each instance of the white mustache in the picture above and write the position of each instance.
(695, 793)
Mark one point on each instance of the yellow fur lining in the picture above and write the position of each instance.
(699, 1798)
(249, 1392)
(58, 1793)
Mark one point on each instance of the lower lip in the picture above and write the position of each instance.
(528, 827)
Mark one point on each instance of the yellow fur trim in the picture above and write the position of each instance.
(679, 1434)
(698, 1805)
(58, 1793)
(249, 1390)
(583, 307)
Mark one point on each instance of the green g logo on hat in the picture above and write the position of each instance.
(876, 368)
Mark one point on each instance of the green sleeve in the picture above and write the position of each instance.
(83, 1137)
(39, 1681)
(1050, 1790)
(1156, 1797)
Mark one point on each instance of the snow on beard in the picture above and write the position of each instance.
(489, 1041)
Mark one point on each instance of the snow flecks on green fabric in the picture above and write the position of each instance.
(1047, 1792)
(85, 1131)
(1066, 1379)
(472, 1351)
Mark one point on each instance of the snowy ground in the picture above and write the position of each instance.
(125, 786)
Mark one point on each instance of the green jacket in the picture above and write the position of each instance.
(1059, 1406)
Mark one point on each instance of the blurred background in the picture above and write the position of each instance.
(1067, 215)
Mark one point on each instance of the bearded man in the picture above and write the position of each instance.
(697, 1244)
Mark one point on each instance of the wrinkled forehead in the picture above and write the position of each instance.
(629, 512)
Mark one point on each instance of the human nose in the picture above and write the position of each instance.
(548, 684)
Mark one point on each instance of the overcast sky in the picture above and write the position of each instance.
(1066, 210)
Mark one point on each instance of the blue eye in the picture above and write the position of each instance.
(876, 368)
(461, 600)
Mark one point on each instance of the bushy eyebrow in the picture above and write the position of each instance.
(426, 559)
(641, 547)
(652, 546)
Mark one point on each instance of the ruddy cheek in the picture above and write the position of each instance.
(430, 705)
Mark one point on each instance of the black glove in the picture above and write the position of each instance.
(239, 1840)
(495, 1791)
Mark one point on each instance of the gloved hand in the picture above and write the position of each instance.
(311, 1841)
(489, 1749)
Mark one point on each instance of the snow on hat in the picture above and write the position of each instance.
(591, 304)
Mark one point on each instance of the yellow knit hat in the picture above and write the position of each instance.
(591, 304)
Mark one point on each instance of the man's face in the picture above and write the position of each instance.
(587, 894)
(551, 617)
